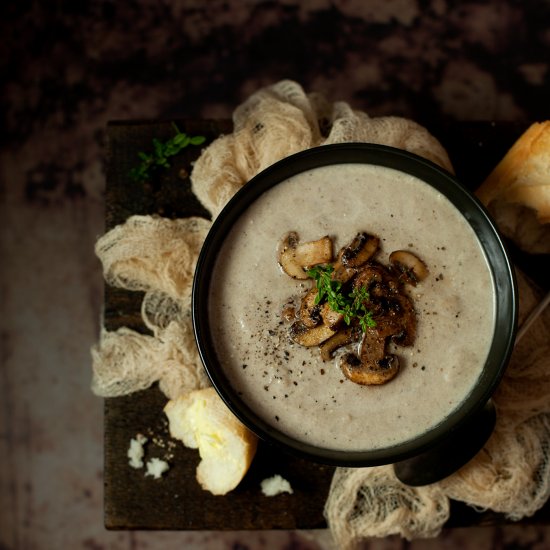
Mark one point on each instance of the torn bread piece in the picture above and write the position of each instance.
(517, 192)
(201, 420)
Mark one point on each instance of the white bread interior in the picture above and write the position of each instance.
(201, 420)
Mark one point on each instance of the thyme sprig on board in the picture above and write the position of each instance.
(162, 151)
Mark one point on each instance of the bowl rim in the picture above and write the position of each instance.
(502, 272)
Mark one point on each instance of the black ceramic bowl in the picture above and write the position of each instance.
(473, 212)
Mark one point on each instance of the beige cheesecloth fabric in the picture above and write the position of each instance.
(158, 256)
(510, 475)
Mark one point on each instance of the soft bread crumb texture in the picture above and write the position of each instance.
(202, 421)
(156, 467)
(275, 485)
(136, 451)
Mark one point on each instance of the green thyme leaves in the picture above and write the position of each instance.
(326, 286)
(161, 152)
(350, 306)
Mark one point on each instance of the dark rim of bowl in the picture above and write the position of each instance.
(472, 210)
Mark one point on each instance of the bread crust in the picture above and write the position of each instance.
(201, 420)
(523, 175)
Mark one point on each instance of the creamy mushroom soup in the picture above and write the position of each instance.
(288, 385)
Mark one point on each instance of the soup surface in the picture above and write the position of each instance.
(288, 385)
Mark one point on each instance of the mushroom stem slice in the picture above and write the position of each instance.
(296, 257)
(403, 310)
(360, 250)
(409, 267)
(340, 339)
(309, 337)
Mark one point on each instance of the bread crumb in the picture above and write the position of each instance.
(156, 467)
(136, 451)
(275, 486)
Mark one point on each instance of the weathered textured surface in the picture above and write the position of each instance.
(70, 67)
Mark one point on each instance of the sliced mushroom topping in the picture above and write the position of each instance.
(310, 312)
(341, 272)
(296, 257)
(331, 318)
(403, 316)
(369, 298)
(288, 312)
(377, 279)
(360, 250)
(308, 337)
(340, 339)
(410, 268)
(391, 308)
(373, 366)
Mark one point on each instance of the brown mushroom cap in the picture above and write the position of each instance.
(377, 279)
(360, 250)
(409, 267)
(373, 366)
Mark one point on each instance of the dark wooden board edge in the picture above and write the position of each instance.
(133, 501)
(177, 501)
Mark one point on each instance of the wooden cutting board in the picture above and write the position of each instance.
(133, 501)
